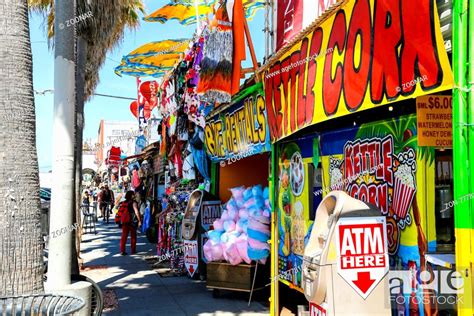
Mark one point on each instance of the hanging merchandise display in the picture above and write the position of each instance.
(215, 84)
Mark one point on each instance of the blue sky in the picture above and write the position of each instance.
(100, 107)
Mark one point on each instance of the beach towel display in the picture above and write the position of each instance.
(215, 76)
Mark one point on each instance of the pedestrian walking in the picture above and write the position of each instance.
(107, 200)
(131, 220)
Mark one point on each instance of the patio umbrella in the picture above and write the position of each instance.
(153, 59)
(185, 12)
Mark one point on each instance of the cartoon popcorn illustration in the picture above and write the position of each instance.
(336, 177)
(404, 186)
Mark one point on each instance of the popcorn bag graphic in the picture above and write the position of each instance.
(404, 186)
(336, 177)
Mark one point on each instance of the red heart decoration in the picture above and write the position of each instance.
(134, 108)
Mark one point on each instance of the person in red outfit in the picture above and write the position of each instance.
(131, 220)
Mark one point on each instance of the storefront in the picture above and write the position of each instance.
(346, 111)
(238, 144)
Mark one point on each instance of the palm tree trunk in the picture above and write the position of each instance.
(20, 234)
(62, 204)
(81, 47)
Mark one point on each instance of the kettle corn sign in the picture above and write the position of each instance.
(392, 51)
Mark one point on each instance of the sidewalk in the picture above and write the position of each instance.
(142, 291)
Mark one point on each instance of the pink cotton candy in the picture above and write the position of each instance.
(249, 203)
(225, 215)
(233, 256)
(255, 244)
(256, 225)
(229, 226)
(243, 213)
(212, 251)
(207, 248)
(242, 247)
(218, 225)
(237, 192)
(233, 215)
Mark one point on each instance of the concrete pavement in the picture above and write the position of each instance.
(142, 291)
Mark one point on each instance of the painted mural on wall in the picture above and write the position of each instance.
(294, 193)
(377, 163)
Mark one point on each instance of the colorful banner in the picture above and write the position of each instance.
(241, 130)
(435, 120)
(393, 51)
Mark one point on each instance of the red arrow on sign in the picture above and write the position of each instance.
(191, 269)
(363, 282)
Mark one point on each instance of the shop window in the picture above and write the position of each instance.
(443, 198)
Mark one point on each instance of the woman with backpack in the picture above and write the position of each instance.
(130, 218)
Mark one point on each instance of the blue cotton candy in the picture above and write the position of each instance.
(260, 202)
(257, 190)
(257, 254)
(247, 194)
(214, 235)
(231, 205)
(266, 193)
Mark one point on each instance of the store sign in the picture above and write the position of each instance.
(435, 120)
(390, 52)
(211, 211)
(191, 258)
(362, 252)
(316, 310)
(241, 129)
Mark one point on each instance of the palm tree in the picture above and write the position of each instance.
(21, 252)
(98, 34)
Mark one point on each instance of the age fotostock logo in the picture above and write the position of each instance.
(442, 287)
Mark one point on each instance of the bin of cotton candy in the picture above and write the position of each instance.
(242, 232)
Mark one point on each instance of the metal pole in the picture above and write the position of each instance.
(59, 271)
(274, 310)
(460, 155)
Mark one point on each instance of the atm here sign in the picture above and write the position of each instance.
(362, 246)
(362, 252)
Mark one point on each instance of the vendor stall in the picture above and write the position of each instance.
(316, 89)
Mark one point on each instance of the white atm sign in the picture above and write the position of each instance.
(362, 252)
